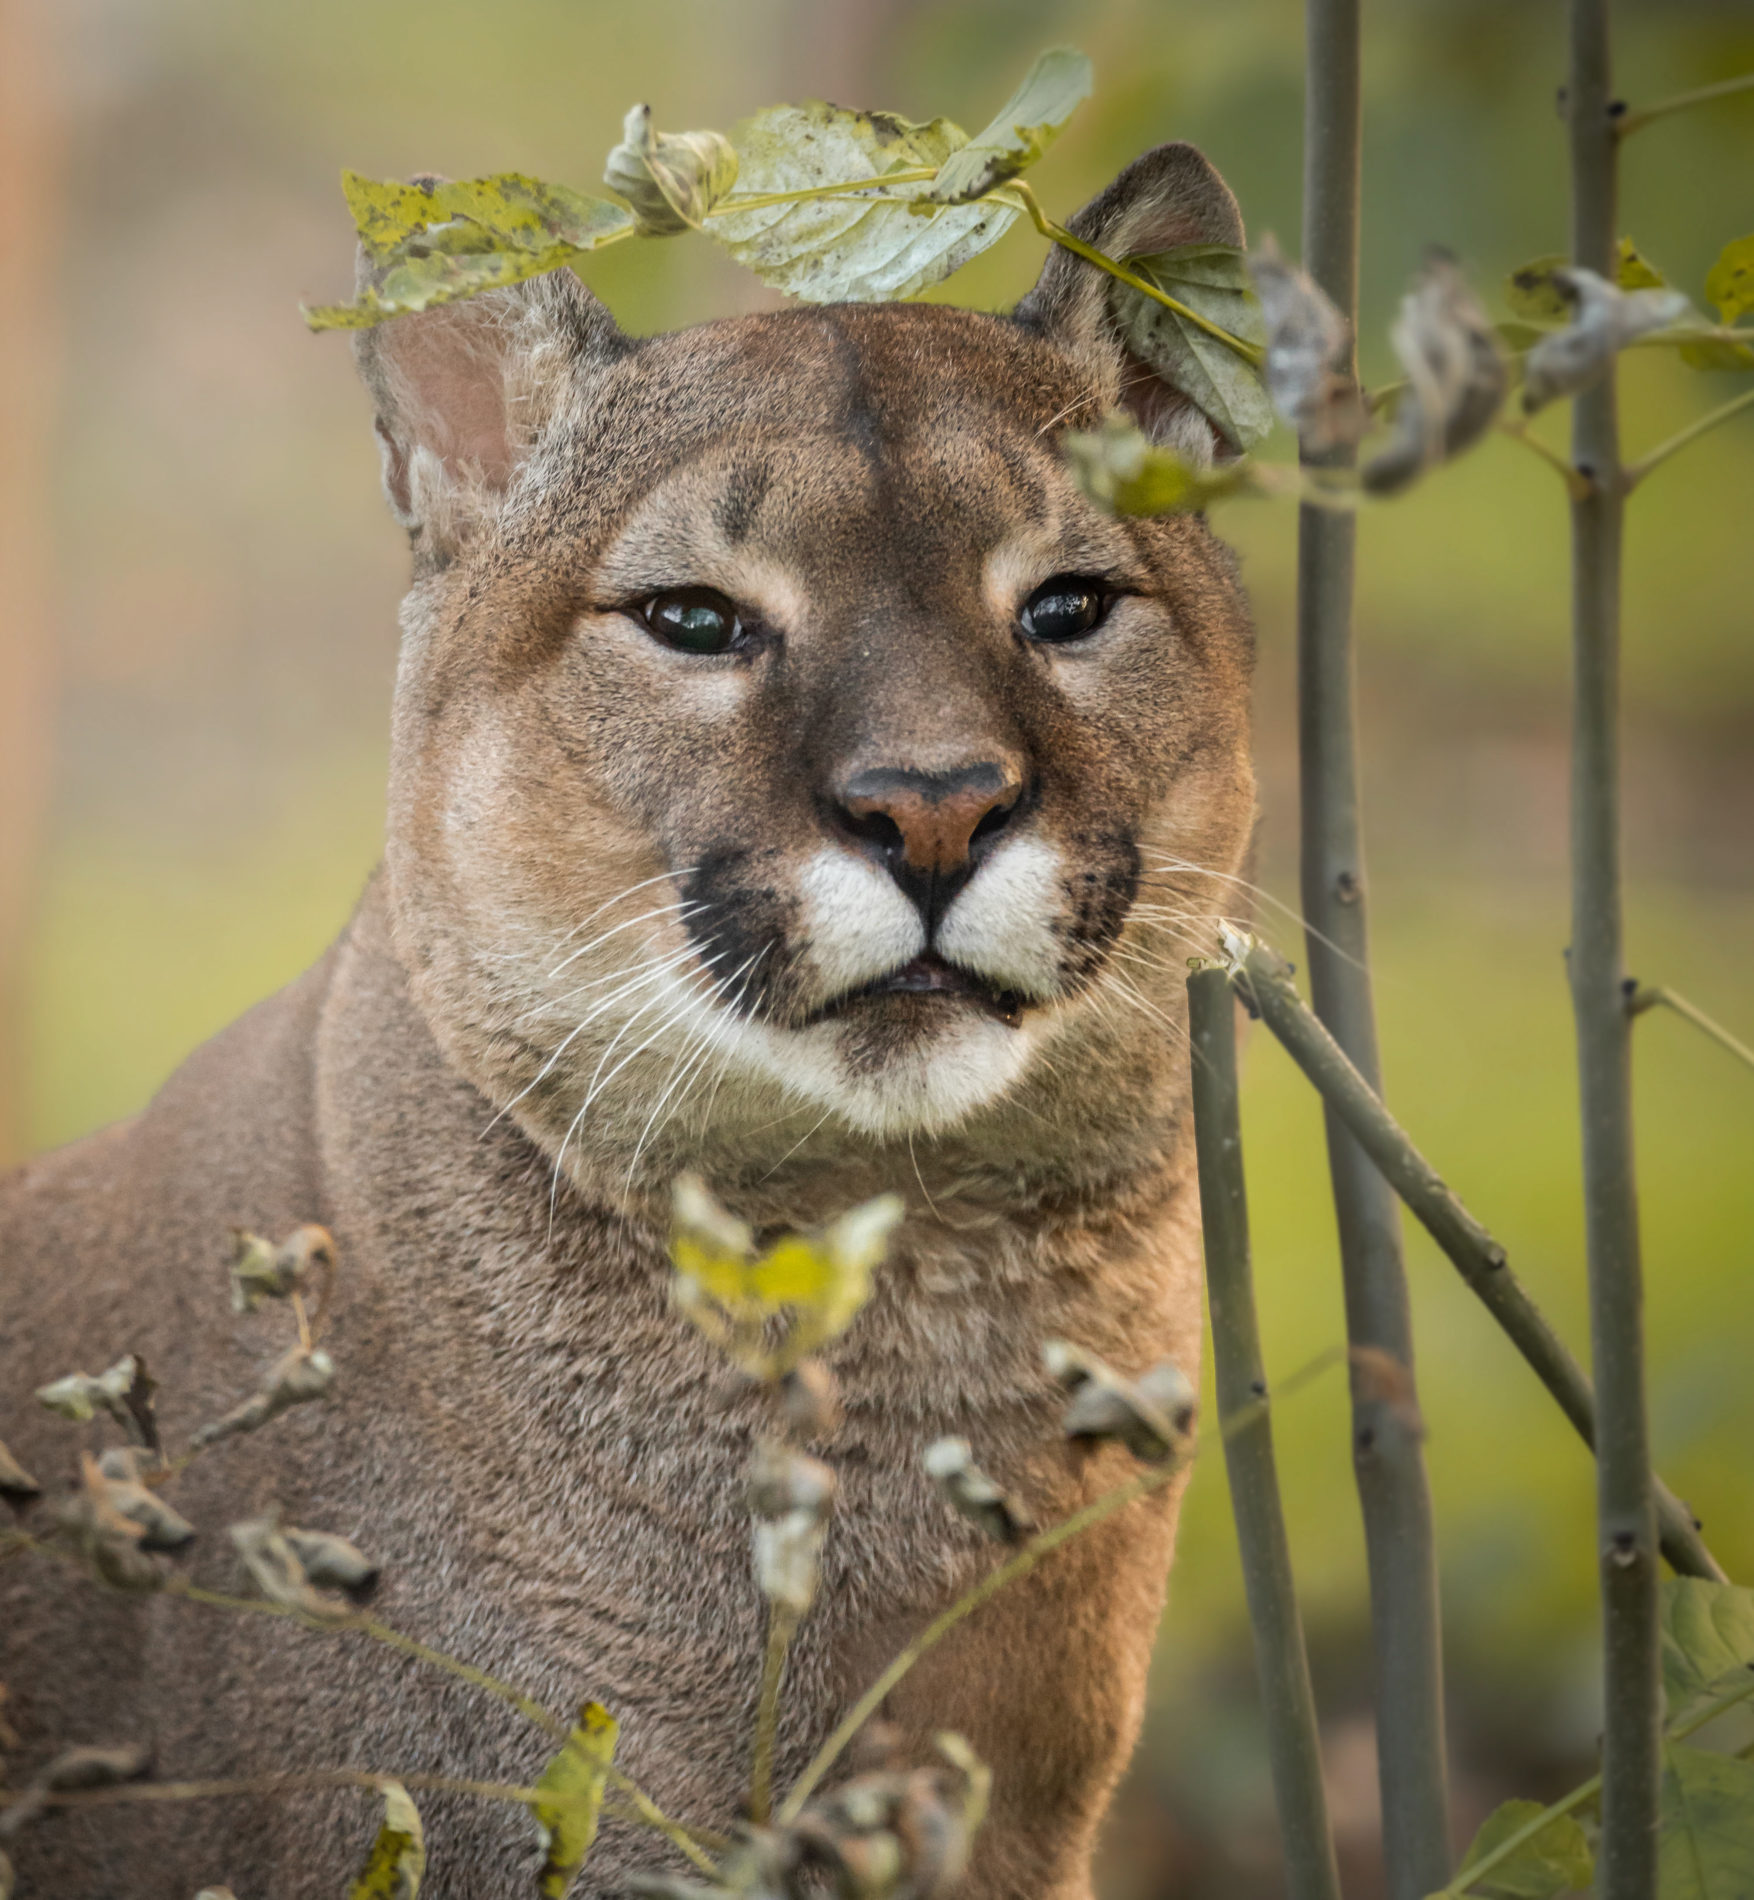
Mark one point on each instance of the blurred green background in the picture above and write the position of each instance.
(219, 622)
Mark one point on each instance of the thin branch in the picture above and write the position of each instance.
(1281, 1661)
(1577, 483)
(1644, 998)
(1264, 983)
(782, 1623)
(379, 1632)
(1637, 471)
(1038, 1547)
(1630, 122)
(363, 1778)
(1058, 234)
(683, 1839)
(302, 1782)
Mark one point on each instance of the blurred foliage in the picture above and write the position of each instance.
(229, 581)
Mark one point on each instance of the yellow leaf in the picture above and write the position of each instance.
(1730, 282)
(1634, 271)
(794, 1273)
(572, 1791)
(398, 1856)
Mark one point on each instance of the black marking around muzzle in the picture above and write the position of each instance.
(742, 924)
(1101, 893)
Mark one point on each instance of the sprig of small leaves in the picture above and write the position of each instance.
(827, 205)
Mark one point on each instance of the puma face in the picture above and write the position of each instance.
(778, 728)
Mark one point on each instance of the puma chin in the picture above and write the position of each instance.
(906, 1023)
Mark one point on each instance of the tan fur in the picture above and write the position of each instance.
(545, 1457)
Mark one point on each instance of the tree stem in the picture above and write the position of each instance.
(1287, 1700)
(1387, 1456)
(1632, 1734)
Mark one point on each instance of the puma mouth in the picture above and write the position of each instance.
(931, 975)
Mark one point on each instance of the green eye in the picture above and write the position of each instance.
(693, 620)
(1065, 608)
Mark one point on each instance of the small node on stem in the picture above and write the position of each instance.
(811, 1400)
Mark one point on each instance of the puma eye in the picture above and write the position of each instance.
(693, 620)
(1064, 608)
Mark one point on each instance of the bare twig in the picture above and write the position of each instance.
(1288, 1702)
(644, 1807)
(303, 1782)
(1631, 122)
(1576, 484)
(1654, 458)
(1142, 1485)
(1643, 998)
(1058, 234)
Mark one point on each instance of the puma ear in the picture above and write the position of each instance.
(1170, 197)
(464, 391)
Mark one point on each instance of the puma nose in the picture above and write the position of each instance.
(929, 826)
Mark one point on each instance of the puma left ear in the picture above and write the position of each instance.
(1170, 197)
(464, 391)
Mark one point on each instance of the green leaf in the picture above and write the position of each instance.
(1123, 473)
(1212, 280)
(426, 281)
(1536, 298)
(861, 249)
(1730, 282)
(671, 180)
(506, 212)
(1717, 353)
(434, 243)
(1705, 1838)
(1708, 1634)
(1533, 295)
(1022, 129)
(1634, 271)
(398, 1857)
(1553, 1861)
(572, 1798)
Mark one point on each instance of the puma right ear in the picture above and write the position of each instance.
(464, 391)
(1170, 197)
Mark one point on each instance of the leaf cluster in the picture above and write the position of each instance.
(1705, 1843)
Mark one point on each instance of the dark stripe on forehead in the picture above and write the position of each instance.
(858, 414)
(1026, 479)
(746, 487)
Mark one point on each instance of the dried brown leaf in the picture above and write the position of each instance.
(949, 1463)
(300, 1376)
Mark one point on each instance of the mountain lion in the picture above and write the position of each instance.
(795, 780)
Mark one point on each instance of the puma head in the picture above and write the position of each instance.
(778, 730)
